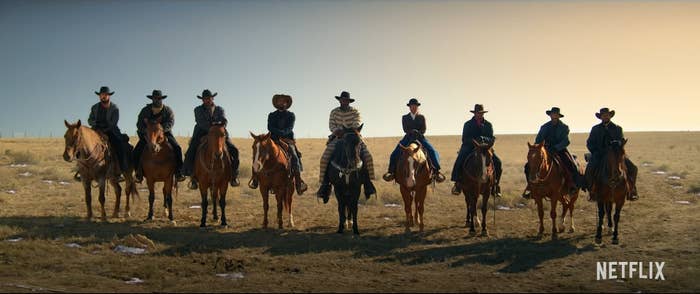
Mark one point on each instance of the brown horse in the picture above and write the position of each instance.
(477, 178)
(613, 188)
(159, 166)
(547, 180)
(213, 170)
(95, 163)
(413, 175)
(271, 166)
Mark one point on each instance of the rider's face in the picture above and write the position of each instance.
(104, 97)
(414, 108)
(605, 117)
(208, 101)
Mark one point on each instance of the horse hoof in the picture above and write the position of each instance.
(356, 233)
(339, 231)
(224, 225)
(571, 230)
(202, 226)
(172, 222)
(598, 240)
(615, 241)
(128, 214)
(555, 237)
(472, 233)
(561, 229)
(484, 233)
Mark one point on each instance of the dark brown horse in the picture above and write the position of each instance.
(547, 179)
(413, 175)
(611, 189)
(159, 166)
(212, 169)
(96, 163)
(477, 178)
(345, 174)
(272, 167)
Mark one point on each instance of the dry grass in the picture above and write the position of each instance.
(312, 257)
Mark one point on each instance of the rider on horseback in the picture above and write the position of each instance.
(414, 127)
(475, 129)
(205, 115)
(280, 123)
(153, 112)
(601, 135)
(104, 117)
(555, 135)
(341, 117)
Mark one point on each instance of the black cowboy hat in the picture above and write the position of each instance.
(278, 99)
(345, 95)
(554, 110)
(478, 108)
(104, 90)
(605, 110)
(157, 94)
(413, 101)
(206, 93)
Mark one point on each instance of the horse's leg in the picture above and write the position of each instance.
(353, 208)
(484, 209)
(420, 205)
(608, 212)
(168, 194)
(571, 207)
(472, 212)
(553, 215)
(151, 197)
(468, 218)
(279, 196)
(564, 209)
(102, 199)
(407, 202)
(618, 208)
(601, 217)
(288, 201)
(88, 196)
(214, 196)
(265, 193)
(222, 203)
(118, 193)
(204, 204)
(341, 214)
(540, 214)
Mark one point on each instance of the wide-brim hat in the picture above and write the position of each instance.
(104, 90)
(206, 94)
(345, 95)
(554, 110)
(413, 101)
(278, 100)
(605, 110)
(157, 94)
(478, 108)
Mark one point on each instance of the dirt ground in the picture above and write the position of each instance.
(47, 245)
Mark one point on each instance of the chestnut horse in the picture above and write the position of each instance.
(477, 178)
(213, 171)
(613, 188)
(413, 175)
(159, 166)
(547, 180)
(272, 167)
(95, 163)
(345, 175)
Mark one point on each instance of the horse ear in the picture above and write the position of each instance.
(476, 144)
(624, 141)
(78, 124)
(359, 129)
(253, 135)
(529, 145)
(266, 136)
(66, 123)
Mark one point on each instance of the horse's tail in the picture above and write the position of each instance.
(175, 189)
(131, 187)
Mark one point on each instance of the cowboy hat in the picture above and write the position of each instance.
(104, 90)
(345, 95)
(279, 99)
(206, 94)
(413, 101)
(157, 94)
(554, 110)
(605, 110)
(478, 108)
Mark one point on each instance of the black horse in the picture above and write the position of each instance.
(345, 173)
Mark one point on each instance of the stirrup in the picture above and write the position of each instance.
(439, 177)
(253, 183)
(388, 177)
(193, 184)
(526, 194)
(301, 188)
(456, 190)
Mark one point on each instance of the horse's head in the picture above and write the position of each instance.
(483, 158)
(262, 150)
(154, 134)
(537, 159)
(352, 146)
(216, 139)
(615, 159)
(72, 139)
(412, 158)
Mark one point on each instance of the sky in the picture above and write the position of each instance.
(517, 58)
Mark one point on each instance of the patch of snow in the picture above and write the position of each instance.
(25, 174)
(73, 245)
(129, 250)
(502, 207)
(11, 192)
(15, 240)
(19, 165)
(683, 202)
(394, 205)
(674, 178)
(387, 218)
(134, 281)
(659, 172)
(47, 182)
(195, 206)
(63, 183)
(231, 276)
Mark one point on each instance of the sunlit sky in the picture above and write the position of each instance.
(518, 58)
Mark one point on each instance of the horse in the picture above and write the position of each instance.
(345, 174)
(159, 166)
(413, 175)
(95, 162)
(272, 167)
(547, 179)
(213, 169)
(613, 188)
(477, 178)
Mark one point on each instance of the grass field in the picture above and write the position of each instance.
(47, 245)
